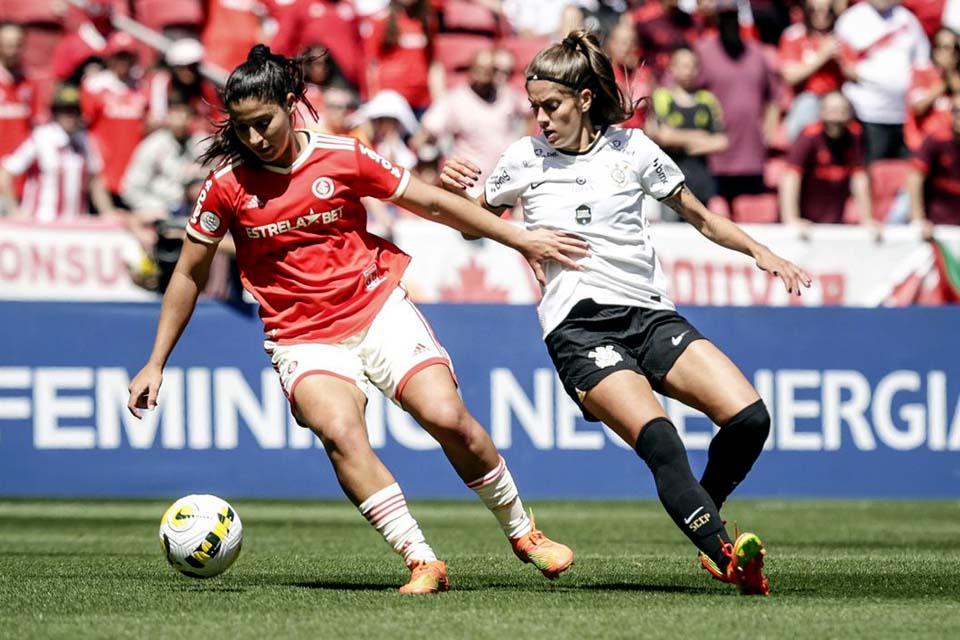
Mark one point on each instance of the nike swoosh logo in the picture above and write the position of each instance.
(676, 339)
(692, 516)
(534, 185)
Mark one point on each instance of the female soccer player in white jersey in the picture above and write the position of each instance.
(610, 327)
(335, 315)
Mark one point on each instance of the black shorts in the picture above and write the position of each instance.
(594, 340)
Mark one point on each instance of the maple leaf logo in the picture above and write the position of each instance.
(473, 286)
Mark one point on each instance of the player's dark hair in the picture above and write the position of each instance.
(265, 76)
(579, 63)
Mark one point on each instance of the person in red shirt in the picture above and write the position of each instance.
(825, 165)
(115, 107)
(932, 87)
(397, 45)
(77, 50)
(934, 180)
(810, 63)
(662, 27)
(230, 28)
(621, 45)
(181, 79)
(335, 315)
(18, 95)
(331, 23)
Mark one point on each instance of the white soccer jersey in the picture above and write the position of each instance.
(597, 195)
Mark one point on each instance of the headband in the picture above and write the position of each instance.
(571, 85)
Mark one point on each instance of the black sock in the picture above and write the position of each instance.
(734, 450)
(689, 505)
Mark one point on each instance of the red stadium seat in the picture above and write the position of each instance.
(463, 15)
(161, 14)
(455, 51)
(524, 49)
(758, 209)
(887, 177)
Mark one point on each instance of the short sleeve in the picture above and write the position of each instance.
(923, 159)
(22, 157)
(377, 177)
(660, 176)
(503, 186)
(212, 213)
(799, 154)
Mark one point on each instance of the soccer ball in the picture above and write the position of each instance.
(201, 535)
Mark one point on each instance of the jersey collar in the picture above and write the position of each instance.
(301, 157)
(588, 150)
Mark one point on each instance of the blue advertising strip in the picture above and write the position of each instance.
(865, 403)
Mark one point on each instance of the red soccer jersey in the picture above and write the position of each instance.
(797, 46)
(303, 247)
(18, 108)
(925, 77)
(115, 113)
(938, 158)
(826, 169)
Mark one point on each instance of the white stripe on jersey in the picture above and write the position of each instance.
(598, 196)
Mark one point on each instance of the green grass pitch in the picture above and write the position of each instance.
(838, 569)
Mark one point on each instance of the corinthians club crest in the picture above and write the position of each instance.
(584, 214)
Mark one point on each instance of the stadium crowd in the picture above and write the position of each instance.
(812, 111)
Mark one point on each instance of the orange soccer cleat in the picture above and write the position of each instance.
(426, 576)
(551, 558)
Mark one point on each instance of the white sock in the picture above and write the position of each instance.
(498, 491)
(387, 511)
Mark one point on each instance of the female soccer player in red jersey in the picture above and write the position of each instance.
(610, 327)
(334, 313)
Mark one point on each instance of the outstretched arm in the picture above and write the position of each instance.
(726, 234)
(188, 280)
(464, 215)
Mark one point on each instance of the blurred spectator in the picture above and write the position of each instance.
(737, 73)
(320, 72)
(771, 17)
(390, 122)
(60, 165)
(633, 78)
(340, 104)
(688, 124)
(174, 18)
(809, 55)
(18, 95)
(181, 78)
(504, 66)
(115, 107)
(543, 18)
(882, 42)
(332, 24)
(164, 163)
(481, 118)
(928, 12)
(85, 46)
(932, 87)
(662, 27)
(398, 46)
(231, 29)
(934, 180)
(603, 16)
(824, 166)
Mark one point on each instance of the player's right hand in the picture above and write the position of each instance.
(144, 389)
(458, 175)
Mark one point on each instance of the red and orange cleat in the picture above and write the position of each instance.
(551, 558)
(746, 565)
(426, 577)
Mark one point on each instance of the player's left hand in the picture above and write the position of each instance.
(541, 245)
(793, 277)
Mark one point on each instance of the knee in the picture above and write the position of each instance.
(340, 434)
(752, 421)
(446, 419)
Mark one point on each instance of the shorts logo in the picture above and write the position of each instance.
(292, 366)
(420, 348)
(605, 356)
(209, 221)
(323, 188)
(675, 340)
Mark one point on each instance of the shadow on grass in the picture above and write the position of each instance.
(648, 588)
(343, 586)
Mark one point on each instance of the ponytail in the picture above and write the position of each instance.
(265, 76)
(579, 63)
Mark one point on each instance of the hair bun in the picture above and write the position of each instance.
(260, 53)
(571, 42)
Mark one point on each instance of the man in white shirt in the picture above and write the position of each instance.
(881, 42)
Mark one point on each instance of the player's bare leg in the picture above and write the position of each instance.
(333, 409)
(431, 397)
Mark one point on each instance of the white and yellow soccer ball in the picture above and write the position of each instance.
(201, 535)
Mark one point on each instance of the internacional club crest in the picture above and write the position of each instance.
(323, 188)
